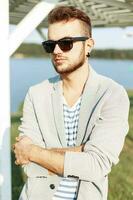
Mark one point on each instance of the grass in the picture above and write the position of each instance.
(17, 174)
(120, 178)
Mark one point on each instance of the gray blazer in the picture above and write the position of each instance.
(103, 125)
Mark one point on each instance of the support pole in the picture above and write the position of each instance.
(5, 161)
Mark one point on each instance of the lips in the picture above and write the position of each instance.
(59, 60)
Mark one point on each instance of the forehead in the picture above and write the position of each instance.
(62, 29)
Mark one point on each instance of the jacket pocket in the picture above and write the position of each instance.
(41, 188)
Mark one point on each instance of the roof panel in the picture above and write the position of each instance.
(106, 13)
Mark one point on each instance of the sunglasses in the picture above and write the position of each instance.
(65, 44)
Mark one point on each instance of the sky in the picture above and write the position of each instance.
(105, 38)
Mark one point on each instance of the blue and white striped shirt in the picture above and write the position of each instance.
(67, 187)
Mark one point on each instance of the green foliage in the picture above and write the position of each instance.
(130, 134)
(112, 53)
(31, 50)
(17, 179)
(20, 108)
(36, 50)
(17, 175)
(120, 178)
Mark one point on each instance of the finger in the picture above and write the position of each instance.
(19, 138)
(13, 147)
(22, 162)
(16, 162)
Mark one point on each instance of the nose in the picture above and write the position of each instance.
(57, 49)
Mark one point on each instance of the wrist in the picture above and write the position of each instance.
(32, 152)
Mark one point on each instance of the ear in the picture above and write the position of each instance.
(89, 46)
(90, 43)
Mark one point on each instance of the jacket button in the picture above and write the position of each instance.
(52, 186)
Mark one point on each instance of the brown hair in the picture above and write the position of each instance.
(66, 13)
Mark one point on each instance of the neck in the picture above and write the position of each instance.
(75, 81)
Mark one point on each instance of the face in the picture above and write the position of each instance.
(67, 62)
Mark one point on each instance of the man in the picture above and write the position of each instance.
(73, 125)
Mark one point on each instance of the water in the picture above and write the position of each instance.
(29, 71)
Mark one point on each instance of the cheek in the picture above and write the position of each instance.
(76, 50)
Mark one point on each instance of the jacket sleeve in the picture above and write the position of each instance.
(105, 143)
(30, 127)
(29, 124)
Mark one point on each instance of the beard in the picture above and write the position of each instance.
(69, 68)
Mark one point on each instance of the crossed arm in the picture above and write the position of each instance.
(97, 157)
(51, 159)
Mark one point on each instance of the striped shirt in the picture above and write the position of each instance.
(67, 187)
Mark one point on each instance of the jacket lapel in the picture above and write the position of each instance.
(58, 112)
(90, 97)
(91, 94)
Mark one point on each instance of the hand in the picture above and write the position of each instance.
(80, 148)
(22, 149)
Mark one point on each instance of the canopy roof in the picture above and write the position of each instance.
(103, 13)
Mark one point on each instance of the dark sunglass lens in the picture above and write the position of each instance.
(65, 45)
(49, 46)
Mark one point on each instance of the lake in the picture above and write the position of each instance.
(29, 71)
